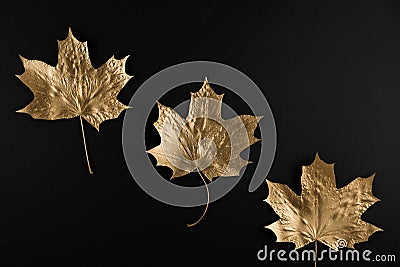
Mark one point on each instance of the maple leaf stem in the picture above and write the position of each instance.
(208, 201)
(84, 144)
(316, 251)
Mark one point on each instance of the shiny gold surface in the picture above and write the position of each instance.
(74, 87)
(322, 212)
(203, 142)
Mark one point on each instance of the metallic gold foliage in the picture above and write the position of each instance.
(74, 87)
(322, 212)
(204, 141)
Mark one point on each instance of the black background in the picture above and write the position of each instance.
(329, 69)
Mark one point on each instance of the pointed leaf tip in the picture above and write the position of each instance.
(70, 34)
(23, 59)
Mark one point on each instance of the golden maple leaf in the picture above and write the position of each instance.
(204, 141)
(74, 88)
(322, 212)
